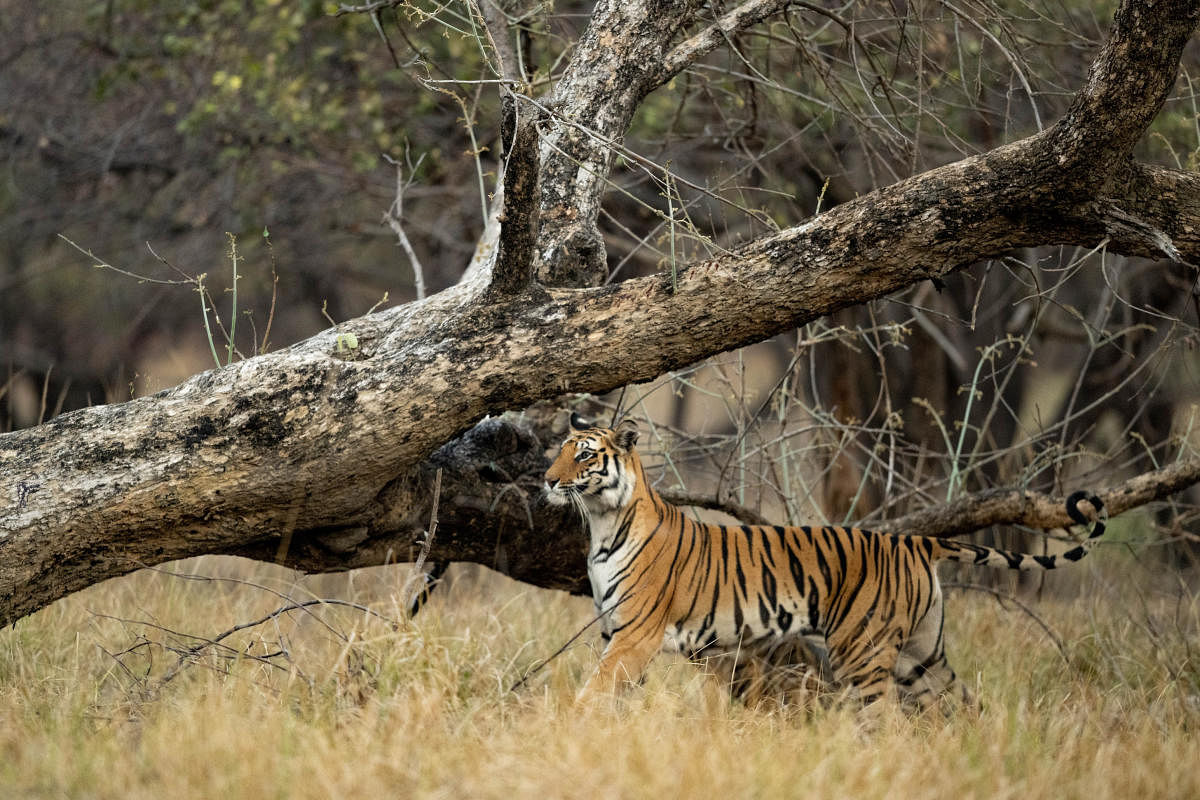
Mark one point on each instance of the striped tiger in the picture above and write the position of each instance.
(868, 602)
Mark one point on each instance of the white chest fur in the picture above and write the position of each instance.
(604, 562)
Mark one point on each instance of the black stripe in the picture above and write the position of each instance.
(764, 613)
(769, 586)
(796, 567)
(695, 588)
(927, 547)
(710, 618)
(737, 566)
(834, 534)
(609, 592)
(768, 546)
(815, 617)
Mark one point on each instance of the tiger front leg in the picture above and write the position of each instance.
(623, 660)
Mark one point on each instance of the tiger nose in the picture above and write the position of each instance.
(551, 484)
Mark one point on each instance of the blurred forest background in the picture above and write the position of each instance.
(153, 135)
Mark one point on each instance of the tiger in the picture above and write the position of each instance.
(863, 606)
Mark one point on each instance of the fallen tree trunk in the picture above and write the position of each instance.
(320, 455)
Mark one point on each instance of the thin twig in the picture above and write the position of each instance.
(536, 669)
(392, 218)
(495, 27)
(411, 591)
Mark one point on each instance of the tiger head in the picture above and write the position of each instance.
(595, 469)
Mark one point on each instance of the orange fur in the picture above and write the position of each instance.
(869, 602)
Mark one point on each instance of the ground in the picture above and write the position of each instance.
(360, 706)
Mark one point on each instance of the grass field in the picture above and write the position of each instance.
(331, 701)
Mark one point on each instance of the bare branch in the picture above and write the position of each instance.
(1127, 84)
(739, 19)
(417, 587)
(613, 67)
(366, 8)
(1034, 510)
(496, 27)
(393, 216)
(735, 510)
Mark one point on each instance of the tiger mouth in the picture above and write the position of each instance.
(559, 495)
(567, 495)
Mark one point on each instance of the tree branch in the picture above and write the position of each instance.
(513, 269)
(611, 71)
(1127, 84)
(739, 19)
(1164, 205)
(1034, 510)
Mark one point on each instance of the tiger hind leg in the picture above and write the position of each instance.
(876, 689)
(794, 673)
(933, 684)
(924, 676)
(868, 673)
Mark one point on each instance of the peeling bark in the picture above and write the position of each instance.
(513, 269)
(614, 66)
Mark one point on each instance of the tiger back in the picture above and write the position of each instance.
(869, 603)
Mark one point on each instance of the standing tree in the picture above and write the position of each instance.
(323, 455)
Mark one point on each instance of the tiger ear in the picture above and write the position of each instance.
(625, 435)
(578, 423)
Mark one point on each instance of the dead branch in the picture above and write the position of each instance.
(1035, 510)
(392, 217)
(732, 22)
(416, 589)
(513, 270)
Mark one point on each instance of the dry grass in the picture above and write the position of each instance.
(360, 707)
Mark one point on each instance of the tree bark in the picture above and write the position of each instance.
(320, 455)
(1034, 510)
(615, 65)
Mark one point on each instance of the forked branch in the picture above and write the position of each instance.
(728, 24)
